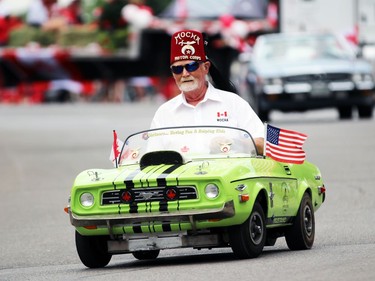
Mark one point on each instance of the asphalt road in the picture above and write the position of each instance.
(43, 148)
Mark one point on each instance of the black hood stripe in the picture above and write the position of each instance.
(167, 227)
(137, 229)
(129, 179)
(163, 206)
(161, 180)
(150, 173)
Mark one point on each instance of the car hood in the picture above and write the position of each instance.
(156, 175)
(321, 66)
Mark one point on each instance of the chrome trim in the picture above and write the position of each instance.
(241, 187)
(226, 211)
(154, 242)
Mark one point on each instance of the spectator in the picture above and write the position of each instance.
(7, 23)
(40, 12)
(49, 16)
(72, 13)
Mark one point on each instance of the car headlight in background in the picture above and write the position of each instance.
(363, 81)
(211, 190)
(273, 86)
(86, 199)
(359, 77)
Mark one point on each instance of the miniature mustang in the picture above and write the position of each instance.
(197, 187)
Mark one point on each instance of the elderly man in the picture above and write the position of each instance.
(200, 103)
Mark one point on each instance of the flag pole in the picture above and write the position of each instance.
(265, 139)
(114, 147)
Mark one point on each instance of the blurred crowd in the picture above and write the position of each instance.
(125, 16)
(51, 16)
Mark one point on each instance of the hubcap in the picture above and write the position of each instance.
(256, 228)
(308, 220)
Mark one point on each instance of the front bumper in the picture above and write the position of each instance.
(130, 219)
(306, 101)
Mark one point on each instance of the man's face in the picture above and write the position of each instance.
(188, 81)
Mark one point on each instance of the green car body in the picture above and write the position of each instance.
(166, 198)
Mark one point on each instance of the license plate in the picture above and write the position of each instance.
(319, 89)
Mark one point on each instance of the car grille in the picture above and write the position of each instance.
(150, 194)
(318, 77)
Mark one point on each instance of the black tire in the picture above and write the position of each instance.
(301, 235)
(247, 240)
(345, 112)
(365, 111)
(93, 250)
(146, 255)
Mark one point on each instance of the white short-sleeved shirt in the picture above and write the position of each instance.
(218, 108)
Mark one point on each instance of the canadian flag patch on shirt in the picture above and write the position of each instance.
(222, 116)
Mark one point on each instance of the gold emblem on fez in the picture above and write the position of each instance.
(188, 49)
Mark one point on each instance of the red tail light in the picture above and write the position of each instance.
(321, 189)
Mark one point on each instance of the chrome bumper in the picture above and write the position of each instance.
(192, 216)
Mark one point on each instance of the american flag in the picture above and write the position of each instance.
(285, 145)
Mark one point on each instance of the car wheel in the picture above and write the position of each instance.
(92, 250)
(247, 240)
(146, 255)
(345, 112)
(301, 235)
(365, 111)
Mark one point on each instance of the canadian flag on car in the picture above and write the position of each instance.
(116, 149)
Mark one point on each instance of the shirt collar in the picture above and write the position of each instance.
(211, 94)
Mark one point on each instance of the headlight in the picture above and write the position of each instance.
(211, 190)
(273, 86)
(86, 199)
(357, 77)
(367, 77)
(272, 81)
(276, 81)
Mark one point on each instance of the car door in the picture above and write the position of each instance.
(283, 192)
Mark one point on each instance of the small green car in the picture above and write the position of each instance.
(192, 187)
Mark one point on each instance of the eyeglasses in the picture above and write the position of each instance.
(190, 67)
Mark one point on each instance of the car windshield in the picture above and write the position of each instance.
(297, 48)
(213, 9)
(190, 141)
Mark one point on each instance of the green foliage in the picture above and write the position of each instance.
(88, 7)
(23, 35)
(73, 36)
(113, 40)
(79, 37)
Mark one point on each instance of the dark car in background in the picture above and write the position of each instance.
(298, 72)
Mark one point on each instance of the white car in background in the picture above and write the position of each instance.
(298, 72)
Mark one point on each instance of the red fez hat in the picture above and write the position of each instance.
(187, 45)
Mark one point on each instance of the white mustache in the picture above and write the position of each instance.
(187, 80)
